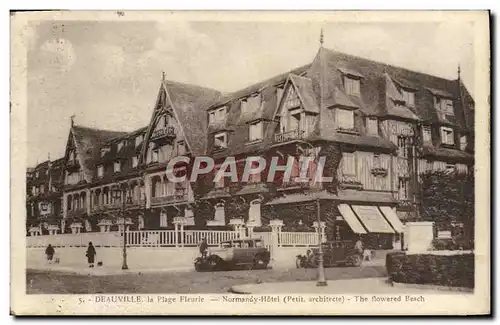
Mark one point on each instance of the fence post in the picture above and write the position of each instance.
(176, 234)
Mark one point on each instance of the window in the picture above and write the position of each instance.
(181, 148)
(100, 171)
(403, 189)
(211, 117)
(217, 115)
(255, 131)
(279, 94)
(376, 161)
(292, 100)
(447, 136)
(372, 126)
(351, 86)
(42, 189)
(36, 174)
(33, 190)
(154, 155)
(430, 165)
(119, 146)
(345, 119)
(135, 161)
(220, 183)
(349, 163)
(402, 146)
(409, 97)
(426, 134)
(463, 142)
(220, 141)
(117, 167)
(447, 106)
(138, 140)
(244, 106)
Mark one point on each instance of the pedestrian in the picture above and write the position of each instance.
(203, 247)
(49, 251)
(358, 246)
(91, 253)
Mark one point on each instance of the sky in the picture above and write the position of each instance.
(108, 73)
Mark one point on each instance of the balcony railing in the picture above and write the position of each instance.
(131, 204)
(167, 132)
(289, 135)
(177, 196)
(291, 185)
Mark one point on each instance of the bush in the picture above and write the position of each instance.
(445, 270)
(457, 243)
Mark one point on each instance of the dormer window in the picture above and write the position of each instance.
(117, 167)
(352, 86)
(345, 119)
(409, 97)
(463, 142)
(100, 171)
(372, 126)
(292, 100)
(426, 134)
(447, 136)
(255, 131)
(138, 140)
(220, 141)
(444, 105)
(217, 115)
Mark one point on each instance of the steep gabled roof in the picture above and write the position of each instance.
(88, 143)
(189, 103)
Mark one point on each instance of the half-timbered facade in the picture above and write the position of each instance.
(378, 127)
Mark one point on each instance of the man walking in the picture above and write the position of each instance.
(203, 247)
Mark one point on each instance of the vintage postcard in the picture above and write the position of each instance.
(250, 163)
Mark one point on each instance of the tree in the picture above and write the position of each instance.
(448, 197)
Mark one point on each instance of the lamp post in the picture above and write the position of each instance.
(122, 212)
(321, 268)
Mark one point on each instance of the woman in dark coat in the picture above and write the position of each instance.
(50, 253)
(90, 254)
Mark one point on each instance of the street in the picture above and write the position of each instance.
(51, 282)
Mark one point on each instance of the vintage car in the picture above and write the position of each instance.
(249, 253)
(334, 253)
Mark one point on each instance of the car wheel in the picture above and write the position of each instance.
(356, 260)
(214, 263)
(259, 263)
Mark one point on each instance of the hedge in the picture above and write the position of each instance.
(445, 270)
(452, 244)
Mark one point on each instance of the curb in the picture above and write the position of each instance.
(430, 287)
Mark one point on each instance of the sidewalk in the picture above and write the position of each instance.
(350, 286)
(102, 270)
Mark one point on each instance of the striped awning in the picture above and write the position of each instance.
(372, 219)
(349, 216)
(393, 218)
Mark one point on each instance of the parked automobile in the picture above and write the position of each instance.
(250, 253)
(334, 253)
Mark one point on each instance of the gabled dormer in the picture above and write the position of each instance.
(351, 81)
(217, 115)
(297, 110)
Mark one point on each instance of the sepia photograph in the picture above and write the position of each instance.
(250, 159)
